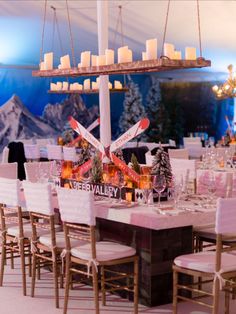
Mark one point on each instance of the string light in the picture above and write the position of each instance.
(228, 89)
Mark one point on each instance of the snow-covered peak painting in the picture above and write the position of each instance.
(17, 122)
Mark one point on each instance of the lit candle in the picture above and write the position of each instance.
(215, 88)
(72, 86)
(151, 49)
(48, 60)
(65, 62)
(177, 55)
(87, 84)
(79, 65)
(85, 58)
(169, 50)
(94, 60)
(78, 86)
(94, 85)
(129, 55)
(190, 53)
(117, 85)
(65, 85)
(59, 85)
(59, 66)
(98, 81)
(53, 86)
(110, 56)
(122, 54)
(42, 66)
(144, 56)
(109, 85)
(101, 60)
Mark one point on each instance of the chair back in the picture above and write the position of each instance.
(38, 171)
(5, 154)
(10, 192)
(195, 149)
(76, 206)
(38, 197)
(181, 153)
(43, 142)
(54, 152)
(32, 151)
(69, 154)
(225, 216)
(8, 170)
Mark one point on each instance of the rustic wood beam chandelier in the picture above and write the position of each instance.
(168, 61)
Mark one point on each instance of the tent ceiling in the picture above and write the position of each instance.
(22, 25)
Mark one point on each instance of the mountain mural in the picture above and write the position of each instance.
(18, 123)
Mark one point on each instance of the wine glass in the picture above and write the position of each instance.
(159, 185)
(120, 182)
(177, 190)
(145, 185)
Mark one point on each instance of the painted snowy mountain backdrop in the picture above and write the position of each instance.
(17, 122)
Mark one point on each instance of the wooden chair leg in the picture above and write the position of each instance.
(136, 286)
(67, 286)
(38, 267)
(3, 260)
(95, 289)
(227, 300)
(12, 257)
(103, 286)
(34, 265)
(22, 257)
(30, 262)
(216, 290)
(55, 275)
(175, 291)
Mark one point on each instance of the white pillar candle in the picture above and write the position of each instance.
(48, 60)
(78, 86)
(98, 81)
(117, 85)
(169, 50)
(109, 85)
(65, 62)
(122, 54)
(151, 49)
(87, 84)
(190, 53)
(59, 85)
(42, 66)
(101, 60)
(59, 66)
(94, 60)
(110, 56)
(144, 56)
(129, 55)
(85, 58)
(177, 55)
(94, 85)
(53, 86)
(65, 85)
(71, 87)
(79, 65)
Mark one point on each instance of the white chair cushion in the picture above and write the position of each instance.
(60, 240)
(105, 251)
(14, 231)
(205, 261)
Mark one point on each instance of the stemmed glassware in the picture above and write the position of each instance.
(145, 185)
(159, 185)
(120, 182)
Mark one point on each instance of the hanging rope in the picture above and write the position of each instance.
(42, 39)
(71, 37)
(120, 22)
(165, 29)
(56, 28)
(199, 28)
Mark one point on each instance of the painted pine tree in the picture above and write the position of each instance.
(159, 128)
(161, 165)
(133, 107)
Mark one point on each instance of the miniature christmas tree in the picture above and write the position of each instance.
(96, 172)
(157, 114)
(161, 165)
(133, 107)
(134, 164)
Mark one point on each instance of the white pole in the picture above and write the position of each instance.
(104, 95)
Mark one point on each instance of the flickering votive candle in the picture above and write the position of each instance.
(190, 53)
(151, 49)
